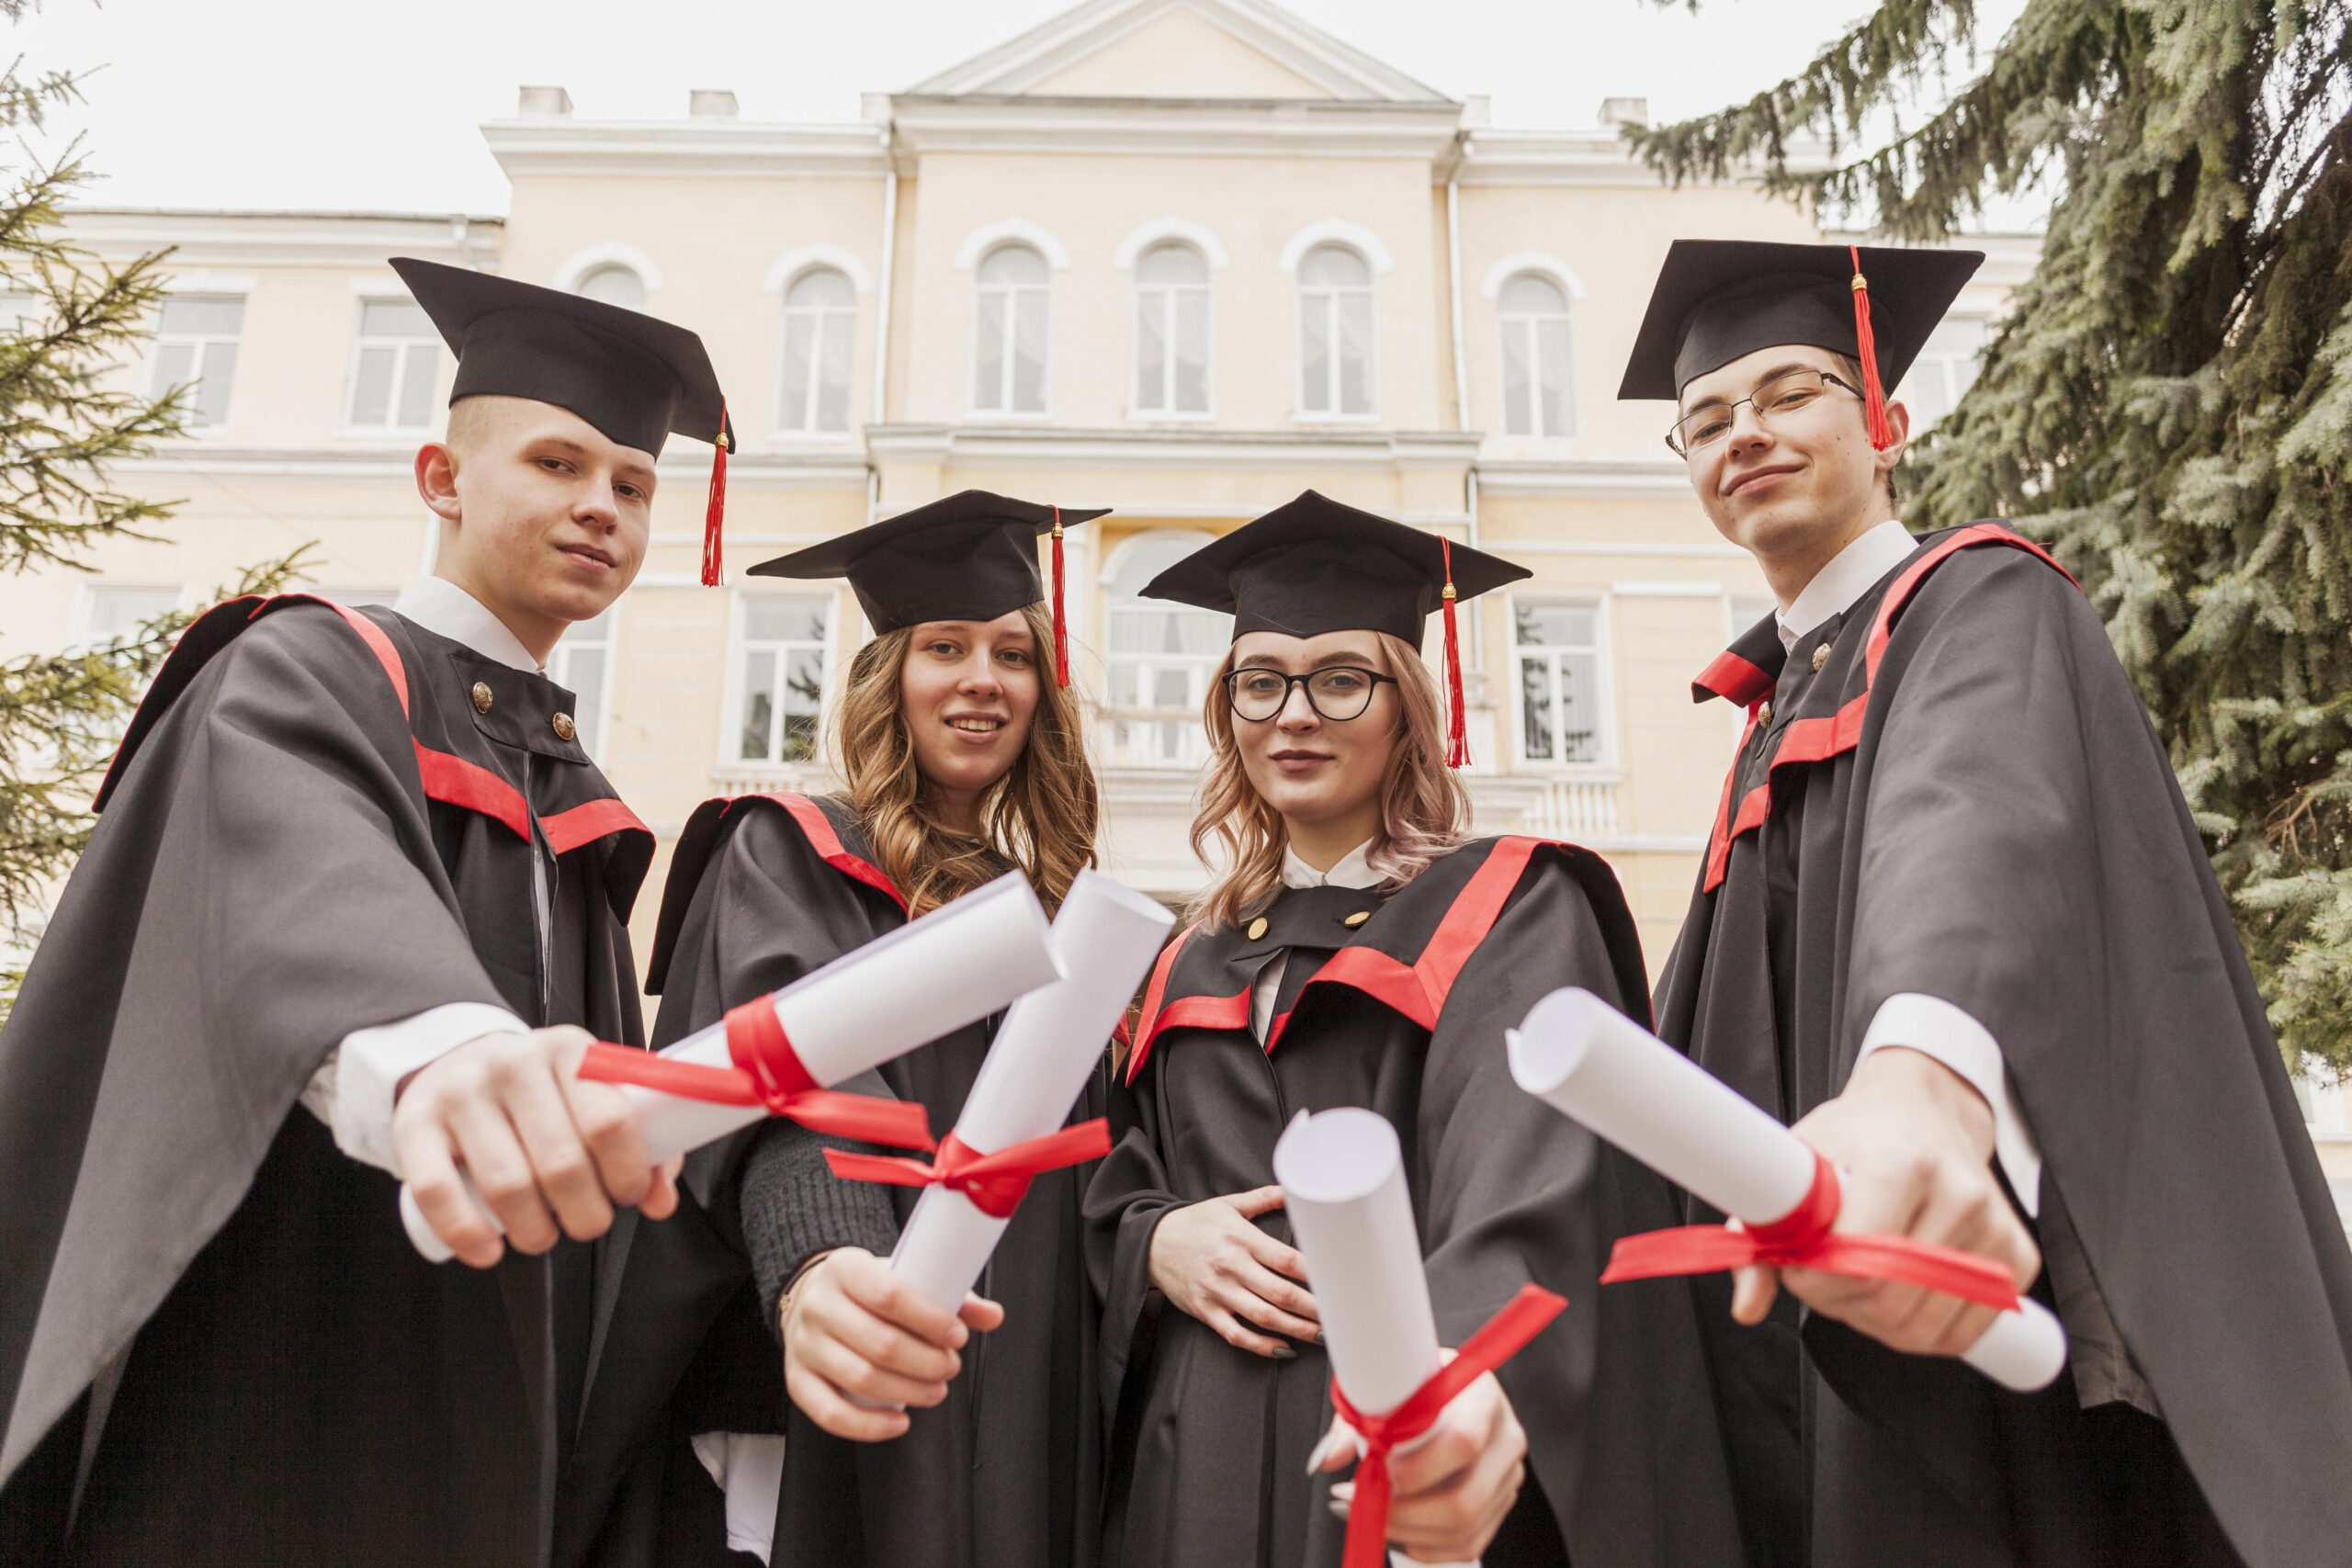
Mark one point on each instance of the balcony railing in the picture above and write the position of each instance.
(1581, 808)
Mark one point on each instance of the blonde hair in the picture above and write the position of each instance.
(1424, 810)
(1041, 816)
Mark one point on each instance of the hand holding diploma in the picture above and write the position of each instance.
(861, 1345)
(773, 1056)
(1590, 1062)
(1913, 1142)
(1442, 1454)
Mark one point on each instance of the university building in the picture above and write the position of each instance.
(1183, 258)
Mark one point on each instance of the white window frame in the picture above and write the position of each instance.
(1197, 744)
(1011, 334)
(1944, 364)
(814, 435)
(202, 341)
(1530, 328)
(1167, 292)
(735, 696)
(1370, 289)
(1605, 699)
(559, 668)
(360, 343)
(86, 602)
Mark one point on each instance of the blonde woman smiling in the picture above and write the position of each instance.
(1359, 948)
(964, 757)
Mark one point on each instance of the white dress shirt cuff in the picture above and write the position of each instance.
(352, 1091)
(1935, 1027)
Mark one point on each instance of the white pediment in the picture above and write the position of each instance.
(1179, 49)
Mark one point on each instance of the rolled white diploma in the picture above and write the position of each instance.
(931, 977)
(1104, 939)
(1342, 1176)
(1591, 1063)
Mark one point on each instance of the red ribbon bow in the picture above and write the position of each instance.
(1503, 1336)
(996, 1182)
(767, 1072)
(1802, 1240)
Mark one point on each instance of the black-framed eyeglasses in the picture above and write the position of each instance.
(1336, 691)
(1779, 397)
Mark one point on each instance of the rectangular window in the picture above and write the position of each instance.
(393, 364)
(780, 664)
(1558, 651)
(196, 348)
(1946, 368)
(113, 612)
(582, 665)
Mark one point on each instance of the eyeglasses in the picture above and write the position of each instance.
(1336, 691)
(1781, 398)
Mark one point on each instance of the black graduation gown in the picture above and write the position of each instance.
(208, 1312)
(1966, 799)
(1405, 1014)
(762, 890)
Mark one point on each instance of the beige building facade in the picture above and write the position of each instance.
(1182, 258)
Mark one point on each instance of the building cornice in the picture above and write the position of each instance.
(557, 146)
(1181, 448)
(1587, 477)
(230, 239)
(1283, 128)
(687, 464)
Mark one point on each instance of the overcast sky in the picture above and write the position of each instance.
(321, 104)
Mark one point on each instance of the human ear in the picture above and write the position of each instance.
(436, 479)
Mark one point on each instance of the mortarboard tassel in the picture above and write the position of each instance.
(1457, 736)
(713, 517)
(1061, 627)
(1866, 350)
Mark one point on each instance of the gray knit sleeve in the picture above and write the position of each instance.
(795, 1207)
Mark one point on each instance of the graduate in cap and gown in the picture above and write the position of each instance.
(354, 907)
(1362, 950)
(1956, 923)
(963, 751)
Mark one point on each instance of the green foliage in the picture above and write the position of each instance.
(62, 423)
(2169, 402)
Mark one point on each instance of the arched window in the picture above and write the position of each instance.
(1008, 347)
(1173, 331)
(1335, 343)
(1538, 358)
(819, 332)
(1159, 658)
(614, 284)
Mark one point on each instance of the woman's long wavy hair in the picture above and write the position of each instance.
(1424, 810)
(1041, 816)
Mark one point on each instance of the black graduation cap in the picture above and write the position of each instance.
(1313, 565)
(969, 557)
(1718, 299)
(634, 376)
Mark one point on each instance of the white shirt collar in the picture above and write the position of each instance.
(1846, 578)
(441, 606)
(1354, 870)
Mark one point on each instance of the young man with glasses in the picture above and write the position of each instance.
(1955, 922)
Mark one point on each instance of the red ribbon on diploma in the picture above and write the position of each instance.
(995, 1183)
(1802, 1240)
(1503, 1336)
(767, 1072)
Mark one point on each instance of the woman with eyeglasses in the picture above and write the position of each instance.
(1359, 948)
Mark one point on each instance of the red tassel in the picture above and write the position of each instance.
(1061, 627)
(713, 517)
(1866, 350)
(1458, 737)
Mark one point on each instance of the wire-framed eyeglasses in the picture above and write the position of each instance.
(1336, 691)
(1781, 396)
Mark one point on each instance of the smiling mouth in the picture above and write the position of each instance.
(974, 723)
(589, 552)
(1302, 756)
(1746, 480)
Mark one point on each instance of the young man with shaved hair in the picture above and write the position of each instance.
(353, 911)
(1956, 924)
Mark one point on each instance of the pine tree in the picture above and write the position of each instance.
(63, 423)
(2169, 403)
